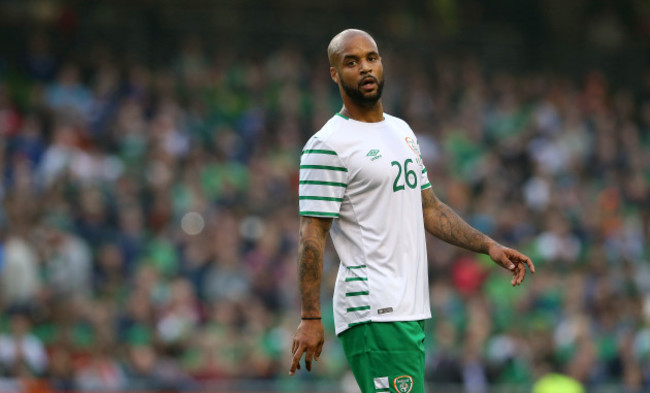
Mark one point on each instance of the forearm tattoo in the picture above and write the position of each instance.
(441, 221)
(313, 234)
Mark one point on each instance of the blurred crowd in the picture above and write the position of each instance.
(149, 217)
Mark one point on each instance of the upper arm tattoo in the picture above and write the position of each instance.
(429, 199)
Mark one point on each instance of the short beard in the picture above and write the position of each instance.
(357, 95)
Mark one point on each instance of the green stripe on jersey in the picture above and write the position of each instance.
(343, 116)
(327, 167)
(361, 308)
(322, 183)
(424, 170)
(425, 186)
(360, 293)
(357, 323)
(319, 151)
(320, 198)
(356, 279)
(319, 214)
(357, 267)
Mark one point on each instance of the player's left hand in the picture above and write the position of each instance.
(512, 260)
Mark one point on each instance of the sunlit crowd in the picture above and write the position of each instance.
(149, 219)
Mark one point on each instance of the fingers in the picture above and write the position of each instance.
(319, 349)
(295, 363)
(521, 273)
(522, 258)
(530, 264)
(309, 355)
(504, 260)
(307, 340)
(519, 259)
(518, 274)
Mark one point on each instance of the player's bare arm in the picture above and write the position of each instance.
(442, 222)
(311, 247)
(309, 336)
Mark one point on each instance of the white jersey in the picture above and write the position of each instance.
(369, 177)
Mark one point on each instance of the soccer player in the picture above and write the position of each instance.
(362, 180)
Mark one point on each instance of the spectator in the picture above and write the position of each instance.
(21, 353)
(20, 280)
(105, 146)
(67, 258)
(101, 371)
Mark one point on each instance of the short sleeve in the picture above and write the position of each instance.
(424, 178)
(323, 180)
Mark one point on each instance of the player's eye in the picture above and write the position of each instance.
(351, 63)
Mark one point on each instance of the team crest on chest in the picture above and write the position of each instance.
(403, 384)
(415, 148)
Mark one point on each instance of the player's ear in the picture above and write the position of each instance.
(334, 75)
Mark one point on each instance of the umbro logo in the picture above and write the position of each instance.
(374, 153)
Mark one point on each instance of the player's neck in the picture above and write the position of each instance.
(366, 114)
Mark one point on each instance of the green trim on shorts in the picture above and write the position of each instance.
(386, 356)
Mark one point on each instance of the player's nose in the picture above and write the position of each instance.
(365, 67)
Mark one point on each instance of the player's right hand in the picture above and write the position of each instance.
(308, 339)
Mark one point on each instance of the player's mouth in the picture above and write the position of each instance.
(368, 83)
